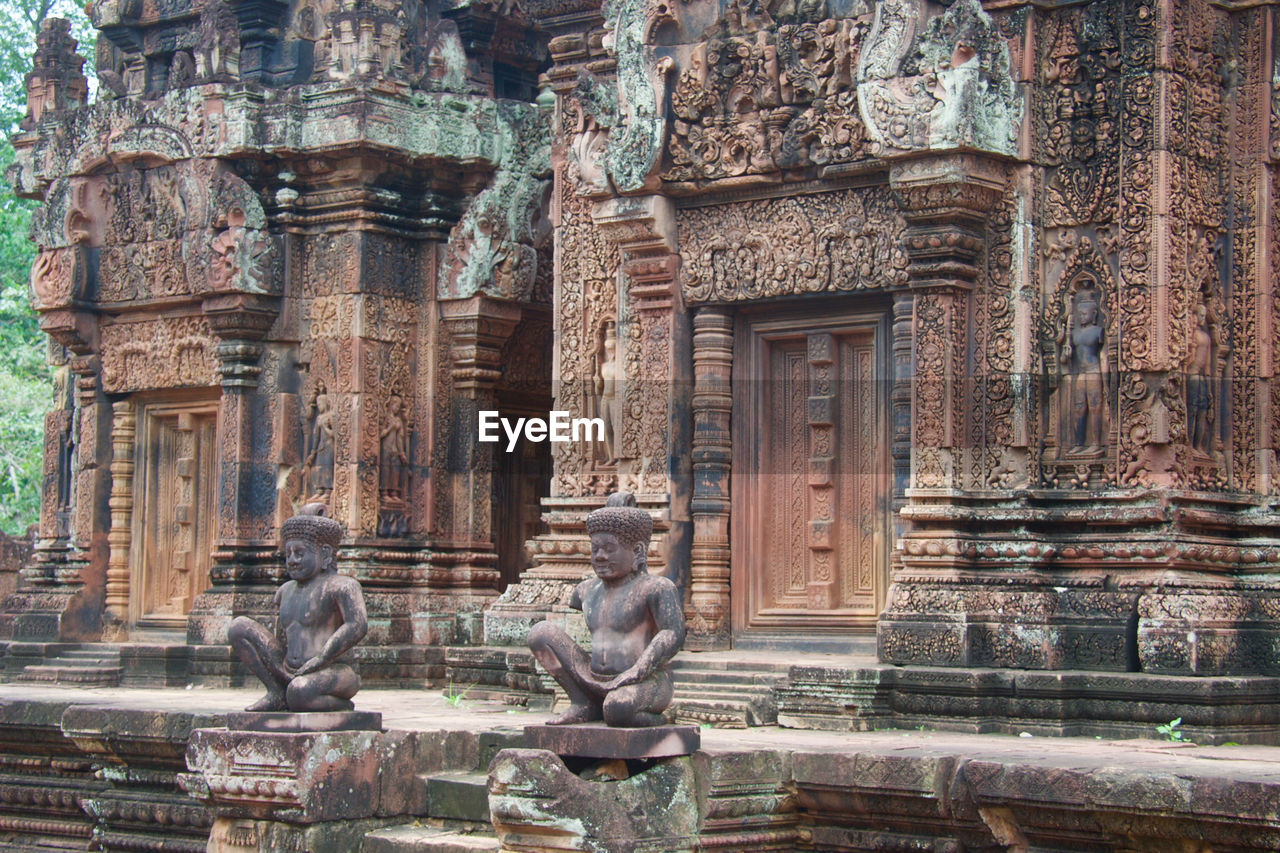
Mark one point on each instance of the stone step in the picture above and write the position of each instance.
(725, 713)
(719, 694)
(411, 838)
(88, 665)
(728, 679)
(86, 676)
(694, 662)
(458, 795)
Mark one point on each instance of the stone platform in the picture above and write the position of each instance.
(96, 765)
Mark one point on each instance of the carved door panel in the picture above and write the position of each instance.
(175, 515)
(811, 482)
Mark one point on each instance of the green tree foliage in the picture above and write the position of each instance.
(25, 386)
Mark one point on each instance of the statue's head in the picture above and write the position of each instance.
(1086, 312)
(620, 533)
(310, 540)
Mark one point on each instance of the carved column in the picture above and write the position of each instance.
(478, 328)
(244, 541)
(900, 399)
(707, 612)
(119, 537)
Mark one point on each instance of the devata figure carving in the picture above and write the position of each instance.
(1084, 355)
(321, 617)
(636, 624)
(606, 387)
(393, 466)
(319, 467)
(1200, 381)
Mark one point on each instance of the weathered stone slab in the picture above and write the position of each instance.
(312, 721)
(596, 740)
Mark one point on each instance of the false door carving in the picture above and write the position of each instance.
(810, 476)
(175, 514)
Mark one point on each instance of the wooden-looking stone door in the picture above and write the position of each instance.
(810, 479)
(174, 513)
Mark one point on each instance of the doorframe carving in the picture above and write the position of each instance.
(140, 564)
(746, 508)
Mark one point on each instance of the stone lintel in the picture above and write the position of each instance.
(596, 740)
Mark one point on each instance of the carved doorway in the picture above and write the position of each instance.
(175, 512)
(811, 481)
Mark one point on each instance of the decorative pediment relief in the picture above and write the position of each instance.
(631, 111)
(150, 230)
(949, 88)
(493, 250)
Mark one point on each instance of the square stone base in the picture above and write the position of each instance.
(596, 740)
(313, 721)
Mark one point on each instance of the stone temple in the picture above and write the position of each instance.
(935, 336)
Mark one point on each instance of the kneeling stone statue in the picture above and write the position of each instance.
(321, 617)
(636, 623)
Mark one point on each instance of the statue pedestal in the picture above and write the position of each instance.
(596, 740)
(298, 723)
(279, 789)
(536, 803)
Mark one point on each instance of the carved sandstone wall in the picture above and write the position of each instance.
(1063, 218)
(284, 252)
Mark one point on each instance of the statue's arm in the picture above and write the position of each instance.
(355, 624)
(275, 607)
(668, 616)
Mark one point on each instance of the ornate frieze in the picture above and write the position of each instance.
(169, 353)
(834, 242)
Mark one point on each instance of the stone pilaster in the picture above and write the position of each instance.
(945, 199)
(244, 541)
(478, 327)
(655, 351)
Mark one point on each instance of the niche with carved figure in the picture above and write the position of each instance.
(1081, 360)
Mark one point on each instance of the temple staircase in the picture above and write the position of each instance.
(84, 665)
(726, 693)
(457, 809)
